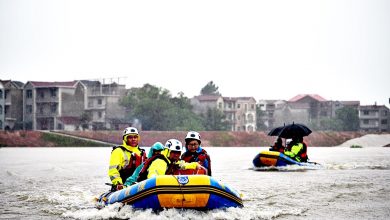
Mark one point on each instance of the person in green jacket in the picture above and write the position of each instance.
(296, 149)
(155, 149)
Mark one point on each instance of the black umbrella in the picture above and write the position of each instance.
(294, 130)
(275, 131)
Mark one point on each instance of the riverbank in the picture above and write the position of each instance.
(209, 138)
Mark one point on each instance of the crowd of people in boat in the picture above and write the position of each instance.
(129, 163)
(295, 148)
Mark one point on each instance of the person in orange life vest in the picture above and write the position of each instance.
(166, 162)
(125, 158)
(278, 146)
(195, 152)
(295, 152)
(303, 153)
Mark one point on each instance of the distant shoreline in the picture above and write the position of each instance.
(209, 138)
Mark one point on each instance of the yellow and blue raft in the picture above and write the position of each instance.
(175, 191)
(277, 159)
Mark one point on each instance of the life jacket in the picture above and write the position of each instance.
(201, 157)
(143, 174)
(134, 161)
(303, 153)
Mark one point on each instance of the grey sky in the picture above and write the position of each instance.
(266, 49)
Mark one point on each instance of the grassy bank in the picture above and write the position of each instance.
(148, 138)
(43, 139)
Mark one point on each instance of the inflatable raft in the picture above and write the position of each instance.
(276, 159)
(175, 191)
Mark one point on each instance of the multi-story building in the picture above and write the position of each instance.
(269, 107)
(243, 116)
(53, 105)
(2, 104)
(304, 108)
(374, 118)
(240, 112)
(103, 104)
(11, 102)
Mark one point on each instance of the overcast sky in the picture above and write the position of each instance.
(270, 49)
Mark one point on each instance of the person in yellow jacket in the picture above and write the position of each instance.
(125, 158)
(294, 149)
(167, 162)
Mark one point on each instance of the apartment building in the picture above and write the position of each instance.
(103, 104)
(53, 105)
(308, 109)
(269, 107)
(374, 118)
(2, 106)
(11, 102)
(240, 112)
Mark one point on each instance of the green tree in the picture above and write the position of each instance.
(214, 120)
(210, 89)
(85, 119)
(260, 122)
(158, 110)
(349, 118)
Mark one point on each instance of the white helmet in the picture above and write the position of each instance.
(288, 141)
(174, 145)
(193, 135)
(130, 130)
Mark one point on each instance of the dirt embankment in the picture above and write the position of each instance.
(209, 138)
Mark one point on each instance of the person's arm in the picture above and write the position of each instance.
(133, 178)
(187, 166)
(294, 151)
(116, 160)
(158, 167)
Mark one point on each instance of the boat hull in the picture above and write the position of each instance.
(276, 159)
(176, 191)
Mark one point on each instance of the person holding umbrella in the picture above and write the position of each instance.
(297, 151)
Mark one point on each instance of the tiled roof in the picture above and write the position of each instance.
(207, 97)
(301, 96)
(53, 84)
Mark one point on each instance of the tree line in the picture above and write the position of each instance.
(157, 109)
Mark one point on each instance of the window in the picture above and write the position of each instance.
(29, 109)
(99, 114)
(53, 108)
(53, 92)
(42, 94)
(220, 105)
(384, 121)
(99, 101)
(366, 112)
(29, 94)
(1, 94)
(238, 106)
(365, 121)
(253, 106)
(1, 110)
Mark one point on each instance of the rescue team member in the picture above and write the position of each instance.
(167, 162)
(297, 151)
(195, 152)
(125, 158)
(278, 146)
(155, 149)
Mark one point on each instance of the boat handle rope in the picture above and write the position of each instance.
(181, 190)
